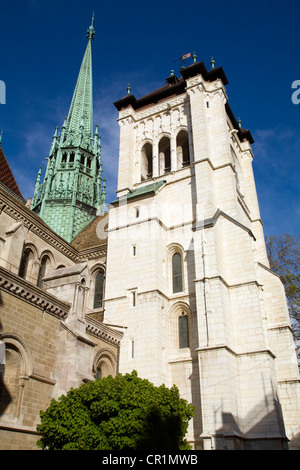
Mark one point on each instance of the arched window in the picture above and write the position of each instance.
(15, 375)
(24, 264)
(98, 293)
(42, 271)
(182, 147)
(183, 331)
(164, 152)
(177, 273)
(146, 162)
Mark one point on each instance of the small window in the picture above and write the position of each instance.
(98, 294)
(137, 213)
(133, 250)
(133, 299)
(177, 273)
(183, 331)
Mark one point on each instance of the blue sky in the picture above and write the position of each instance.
(136, 42)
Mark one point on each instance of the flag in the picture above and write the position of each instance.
(186, 56)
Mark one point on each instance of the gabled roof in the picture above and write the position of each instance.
(6, 176)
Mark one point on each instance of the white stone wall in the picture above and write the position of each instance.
(237, 311)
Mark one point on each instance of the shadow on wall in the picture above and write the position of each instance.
(263, 429)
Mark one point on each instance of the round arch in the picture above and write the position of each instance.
(146, 159)
(182, 148)
(176, 268)
(164, 153)
(180, 325)
(28, 261)
(14, 377)
(105, 363)
(49, 254)
(97, 286)
(17, 343)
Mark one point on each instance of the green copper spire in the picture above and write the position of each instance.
(73, 191)
(81, 109)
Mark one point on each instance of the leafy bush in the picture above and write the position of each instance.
(124, 412)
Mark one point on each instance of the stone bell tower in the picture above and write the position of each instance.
(73, 188)
(194, 295)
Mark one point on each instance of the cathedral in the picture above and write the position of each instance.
(170, 279)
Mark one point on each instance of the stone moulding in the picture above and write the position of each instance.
(103, 331)
(32, 222)
(32, 294)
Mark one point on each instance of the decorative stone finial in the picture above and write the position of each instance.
(195, 56)
(128, 89)
(212, 62)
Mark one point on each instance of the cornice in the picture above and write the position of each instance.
(103, 332)
(92, 253)
(18, 287)
(36, 225)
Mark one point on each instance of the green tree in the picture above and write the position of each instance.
(284, 257)
(124, 412)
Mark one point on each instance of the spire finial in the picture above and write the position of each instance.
(212, 62)
(128, 89)
(195, 56)
(1, 136)
(91, 30)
